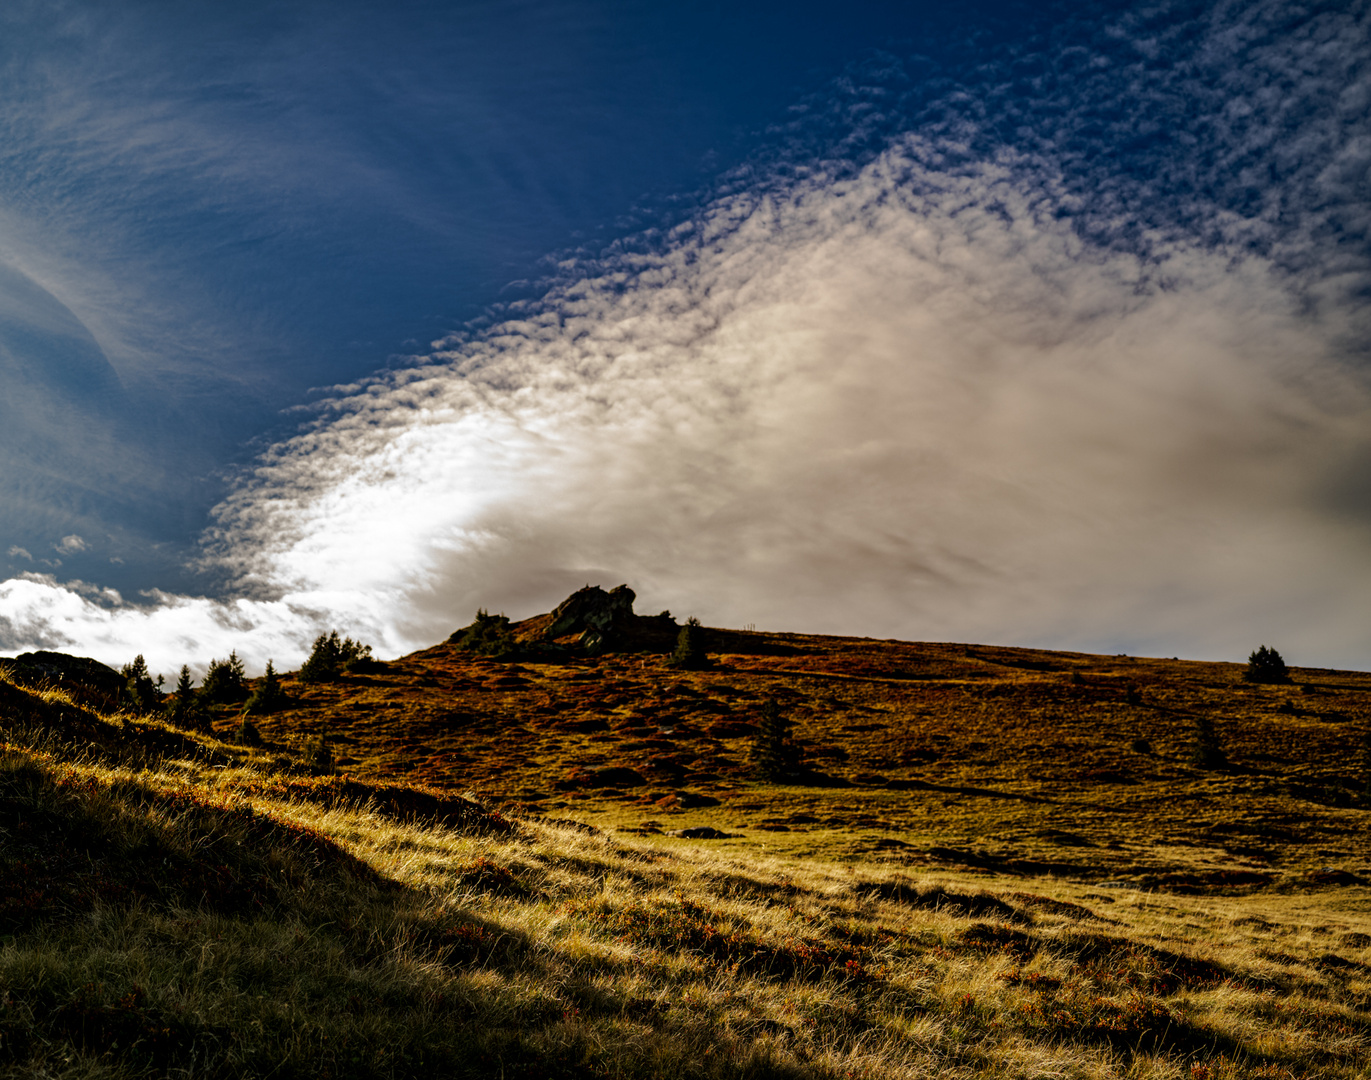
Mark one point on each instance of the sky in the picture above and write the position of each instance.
(1028, 324)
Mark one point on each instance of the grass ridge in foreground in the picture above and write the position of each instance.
(175, 906)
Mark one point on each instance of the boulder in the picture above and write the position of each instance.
(600, 618)
(703, 832)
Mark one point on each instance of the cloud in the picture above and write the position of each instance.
(16, 552)
(947, 385)
(38, 612)
(905, 403)
(70, 545)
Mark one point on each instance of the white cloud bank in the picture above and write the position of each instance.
(907, 403)
(902, 400)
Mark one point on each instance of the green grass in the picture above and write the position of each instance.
(171, 905)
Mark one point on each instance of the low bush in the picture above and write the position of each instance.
(489, 635)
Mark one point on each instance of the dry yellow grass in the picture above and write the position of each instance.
(175, 905)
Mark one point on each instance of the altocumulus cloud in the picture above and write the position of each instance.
(944, 388)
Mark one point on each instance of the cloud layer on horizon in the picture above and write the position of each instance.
(952, 390)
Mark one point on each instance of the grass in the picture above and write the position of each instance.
(924, 756)
(176, 905)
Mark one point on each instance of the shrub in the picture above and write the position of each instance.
(225, 681)
(267, 696)
(1266, 666)
(690, 652)
(332, 656)
(319, 755)
(776, 755)
(489, 635)
(248, 735)
(141, 694)
(1208, 752)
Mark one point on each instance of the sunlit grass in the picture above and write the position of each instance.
(217, 911)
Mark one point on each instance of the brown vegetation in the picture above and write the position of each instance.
(997, 862)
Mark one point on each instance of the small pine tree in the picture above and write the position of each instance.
(1208, 752)
(267, 696)
(489, 635)
(225, 681)
(776, 755)
(141, 694)
(690, 652)
(185, 709)
(319, 754)
(248, 735)
(1266, 666)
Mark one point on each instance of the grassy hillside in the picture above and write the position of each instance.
(979, 875)
(920, 755)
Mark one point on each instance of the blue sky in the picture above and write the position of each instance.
(1019, 323)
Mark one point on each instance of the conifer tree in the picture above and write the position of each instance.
(140, 692)
(776, 755)
(690, 654)
(185, 709)
(331, 656)
(1266, 666)
(268, 695)
(225, 681)
(319, 754)
(1208, 752)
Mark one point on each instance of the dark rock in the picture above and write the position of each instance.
(600, 618)
(664, 767)
(1331, 875)
(686, 800)
(616, 776)
(702, 832)
(731, 729)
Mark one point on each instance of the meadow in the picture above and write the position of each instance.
(993, 863)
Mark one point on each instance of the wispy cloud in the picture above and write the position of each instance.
(957, 382)
(908, 402)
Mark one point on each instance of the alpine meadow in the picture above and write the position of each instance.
(612, 540)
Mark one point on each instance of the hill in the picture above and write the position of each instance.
(920, 755)
(989, 862)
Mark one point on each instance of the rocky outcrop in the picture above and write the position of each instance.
(601, 619)
(88, 681)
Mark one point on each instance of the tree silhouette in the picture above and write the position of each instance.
(776, 755)
(140, 692)
(185, 709)
(267, 696)
(690, 652)
(1266, 666)
(225, 681)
